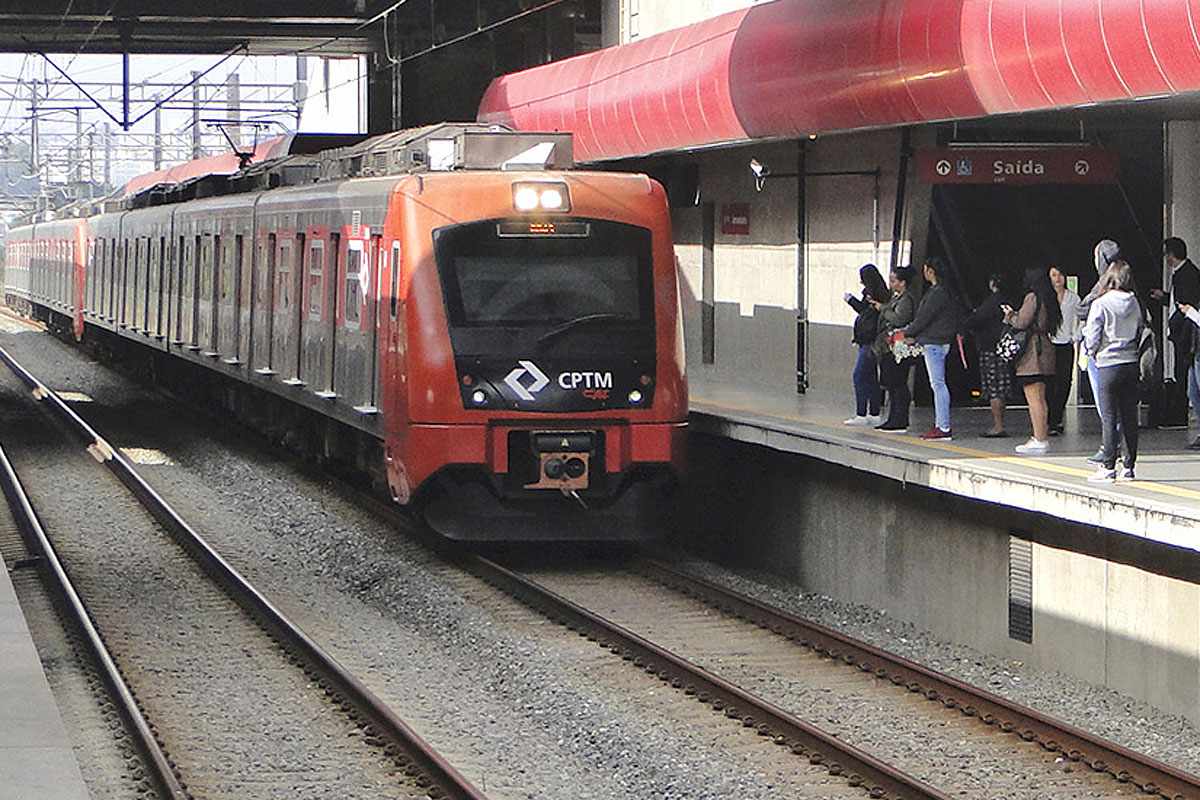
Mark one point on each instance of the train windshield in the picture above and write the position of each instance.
(536, 290)
(504, 274)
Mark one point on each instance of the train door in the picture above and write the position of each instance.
(238, 270)
(126, 279)
(332, 284)
(298, 314)
(284, 348)
(314, 341)
(394, 357)
(158, 285)
(374, 282)
(351, 361)
(205, 286)
(220, 290)
(180, 273)
(150, 303)
(114, 265)
(264, 333)
(135, 285)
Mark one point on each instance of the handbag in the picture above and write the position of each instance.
(1012, 344)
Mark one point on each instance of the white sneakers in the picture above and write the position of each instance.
(1105, 475)
(1033, 447)
(869, 419)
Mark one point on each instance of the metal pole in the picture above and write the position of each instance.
(801, 267)
(195, 114)
(125, 90)
(158, 151)
(901, 195)
(77, 149)
(107, 157)
(233, 112)
(91, 163)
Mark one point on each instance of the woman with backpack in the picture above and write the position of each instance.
(1038, 316)
(866, 327)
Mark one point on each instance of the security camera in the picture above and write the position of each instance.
(760, 171)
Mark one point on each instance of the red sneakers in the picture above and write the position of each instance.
(937, 435)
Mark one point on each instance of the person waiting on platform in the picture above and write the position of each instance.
(1106, 253)
(1063, 340)
(1038, 315)
(1112, 336)
(934, 328)
(893, 372)
(866, 326)
(995, 374)
(1184, 290)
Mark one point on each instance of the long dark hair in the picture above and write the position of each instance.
(877, 288)
(1037, 281)
(946, 277)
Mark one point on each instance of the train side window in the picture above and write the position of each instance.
(316, 278)
(355, 263)
(395, 279)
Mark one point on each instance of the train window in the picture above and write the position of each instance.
(316, 278)
(356, 263)
(395, 278)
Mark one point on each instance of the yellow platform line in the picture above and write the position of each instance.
(1022, 461)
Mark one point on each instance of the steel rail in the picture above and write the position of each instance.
(159, 765)
(428, 765)
(880, 780)
(1148, 774)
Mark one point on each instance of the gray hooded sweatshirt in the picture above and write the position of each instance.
(1114, 329)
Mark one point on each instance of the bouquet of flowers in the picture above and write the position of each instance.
(903, 348)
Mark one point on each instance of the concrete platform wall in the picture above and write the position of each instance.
(1108, 608)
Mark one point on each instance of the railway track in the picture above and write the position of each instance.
(593, 611)
(651, 607)
(393, 760)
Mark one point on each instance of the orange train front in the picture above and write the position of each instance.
(501, 330)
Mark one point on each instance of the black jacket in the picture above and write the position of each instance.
(866, 324)
(1186, 284)
(937, 317)
(987, 322)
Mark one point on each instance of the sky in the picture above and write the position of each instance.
(339, 109)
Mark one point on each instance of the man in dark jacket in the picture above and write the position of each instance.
(1184, 290)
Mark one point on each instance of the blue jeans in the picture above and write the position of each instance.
(935, 365)
(866, 382)
(1093, 372)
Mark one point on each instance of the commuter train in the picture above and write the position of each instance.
(495, 333)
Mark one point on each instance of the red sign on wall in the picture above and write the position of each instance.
(1018, 166)
(735, 219)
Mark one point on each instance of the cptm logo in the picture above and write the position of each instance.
(514, 380)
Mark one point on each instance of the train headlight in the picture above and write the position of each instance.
(635, 397)
(541, 196)
(479, 397)
(525, 198)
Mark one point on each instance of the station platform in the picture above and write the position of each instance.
(1162, 505)
(36, 758)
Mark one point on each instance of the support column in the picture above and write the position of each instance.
(383, 96)
(1181, 201)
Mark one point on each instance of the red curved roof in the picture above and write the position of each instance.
(223, 164)
(795, 67)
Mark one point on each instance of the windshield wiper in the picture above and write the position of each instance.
(571, 324)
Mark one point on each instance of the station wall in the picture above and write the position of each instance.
(762, 280)
(1114, 610)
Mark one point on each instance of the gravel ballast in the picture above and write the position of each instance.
(501, 687)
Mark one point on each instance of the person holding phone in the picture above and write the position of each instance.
(1039, 314)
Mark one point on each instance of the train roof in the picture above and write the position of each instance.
(443, 147)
